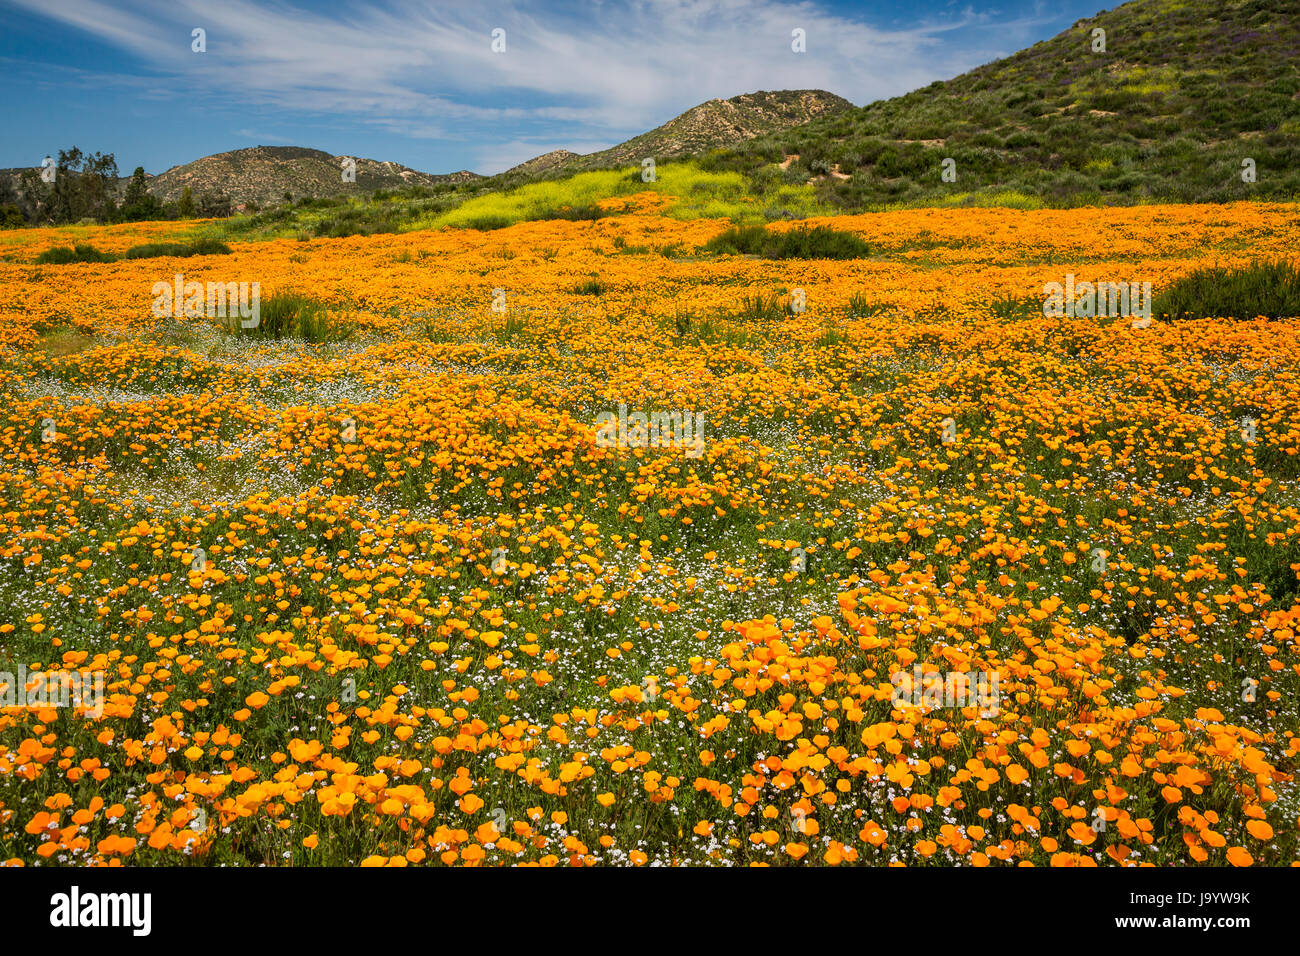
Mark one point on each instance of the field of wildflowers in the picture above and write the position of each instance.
(390, 601)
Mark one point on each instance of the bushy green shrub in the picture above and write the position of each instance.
(862, 308)
(762, 308)
(82, 252)
(819, 242)
(1268, 289)
(575, 213)
(199, 247)
(294, 315)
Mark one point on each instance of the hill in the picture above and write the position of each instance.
(263, 174)
(556, 159)
(1181, 94)
(713, 125)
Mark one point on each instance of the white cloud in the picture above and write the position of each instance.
(423, 71)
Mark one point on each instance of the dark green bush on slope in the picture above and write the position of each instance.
(82, 252)
(1268, 289)
(820, 242)
(183, 250)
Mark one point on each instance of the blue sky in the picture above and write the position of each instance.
(416, 81)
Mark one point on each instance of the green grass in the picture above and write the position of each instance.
(511, 329)
(762, 308)
(578, 214)
(292, 315)
(1011, 307)
(860, 307)
(1268, 289)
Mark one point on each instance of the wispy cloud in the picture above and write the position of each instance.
(591, 74)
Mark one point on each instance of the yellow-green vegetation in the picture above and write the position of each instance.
(696, 193)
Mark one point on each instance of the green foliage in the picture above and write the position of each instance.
(511, 329)
(502, 201)
(697, 194)
(688, 327)
(150, 250)
(861, 308)
(578, 214)
(287, 315)
(830, 337)
(762, 308)
(819, 242)
(180, 250)
(83, 188)
(82, 252)
(589, 287)
(1268, 289)
(1011, 307)
(682, 322)
(138, 204)
(214, 206)
(355, 221)
(1186, 90)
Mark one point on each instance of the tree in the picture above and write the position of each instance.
(83, 188)
(11, 214)
(185, 205)
(139, 204)
(212, 206)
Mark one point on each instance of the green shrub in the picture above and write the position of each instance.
(1011, 307)
(294, 315)
(575, 213)
(322, 325)
(355, 222)
(82, 252)
(512, 329)
(182, 250)
(861, 308)
(830, 337)
(484, 223)
(819, 242)
(761, 308)
(1269, 289)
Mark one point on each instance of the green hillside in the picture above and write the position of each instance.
(1184, 91)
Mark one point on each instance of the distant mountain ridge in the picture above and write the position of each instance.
(263, 174)
(715, 124)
